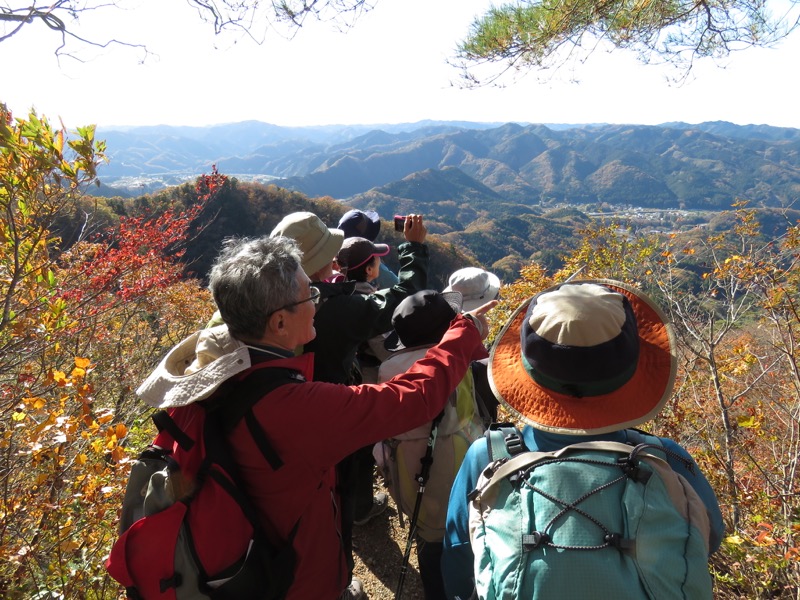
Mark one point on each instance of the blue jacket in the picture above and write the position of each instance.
(457, 559)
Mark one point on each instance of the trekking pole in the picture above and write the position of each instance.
(426, 462)
(575, 274)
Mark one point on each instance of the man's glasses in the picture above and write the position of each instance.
(313, 298)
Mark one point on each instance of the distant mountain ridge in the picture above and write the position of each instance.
(705, 166)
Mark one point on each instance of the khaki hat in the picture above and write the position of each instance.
(584, 358)
(318, 243)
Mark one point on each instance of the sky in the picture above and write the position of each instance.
(390, 68)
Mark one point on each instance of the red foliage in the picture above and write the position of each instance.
(140, 255)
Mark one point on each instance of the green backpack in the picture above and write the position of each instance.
(592, 520)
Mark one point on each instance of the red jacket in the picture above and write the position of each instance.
(314, 425)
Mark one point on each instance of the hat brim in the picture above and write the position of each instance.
(637, 401)
(325, 254)
(392, 342)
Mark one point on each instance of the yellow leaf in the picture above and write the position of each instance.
(734, 539)
(82, 363)
(36, 402)
(77, 373)
(81, 459)
(747, 422)
(59, 377)
(18, 415)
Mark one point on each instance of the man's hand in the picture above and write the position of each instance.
(478, 317)
(415, 230)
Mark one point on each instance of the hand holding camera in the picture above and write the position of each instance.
(412, 227)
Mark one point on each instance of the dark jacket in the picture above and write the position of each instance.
(346, 318)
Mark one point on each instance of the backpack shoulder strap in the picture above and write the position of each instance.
(525, 460)
(484, 397)
(637, 436)
(224, 410)
(235, 402)
(236, 397)
(165, 424)
(503, 440)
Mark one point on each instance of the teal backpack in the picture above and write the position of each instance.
(592, 520)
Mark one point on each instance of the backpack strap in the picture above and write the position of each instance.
(637, 436)
(484, 397)
(234, 403)
(503, 440)
(165, 423)
(526, 460)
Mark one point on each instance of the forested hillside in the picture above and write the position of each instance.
(676, 165)
(95, 291)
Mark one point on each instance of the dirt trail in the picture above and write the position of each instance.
(378, 547)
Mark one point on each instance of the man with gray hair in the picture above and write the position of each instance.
(267, 304)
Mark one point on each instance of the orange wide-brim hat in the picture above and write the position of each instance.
(585, 360)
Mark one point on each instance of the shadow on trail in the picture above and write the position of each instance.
(380, 545)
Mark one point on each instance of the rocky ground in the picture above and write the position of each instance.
(378, 547)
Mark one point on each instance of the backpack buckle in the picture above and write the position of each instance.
(514, 444)
(170, 582)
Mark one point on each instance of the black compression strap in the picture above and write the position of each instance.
(165, 423)
(262, 441)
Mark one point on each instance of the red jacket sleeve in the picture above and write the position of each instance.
(338, 419)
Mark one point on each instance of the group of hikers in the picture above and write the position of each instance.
(389, 371)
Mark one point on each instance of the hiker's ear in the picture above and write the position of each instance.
(276, 324)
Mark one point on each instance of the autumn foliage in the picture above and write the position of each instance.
(82, 323)
(733, 301)
(78, 329)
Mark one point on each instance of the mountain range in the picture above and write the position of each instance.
(467, 168)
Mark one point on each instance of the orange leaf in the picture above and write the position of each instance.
(103, 419)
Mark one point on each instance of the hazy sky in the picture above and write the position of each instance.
(390, 68)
